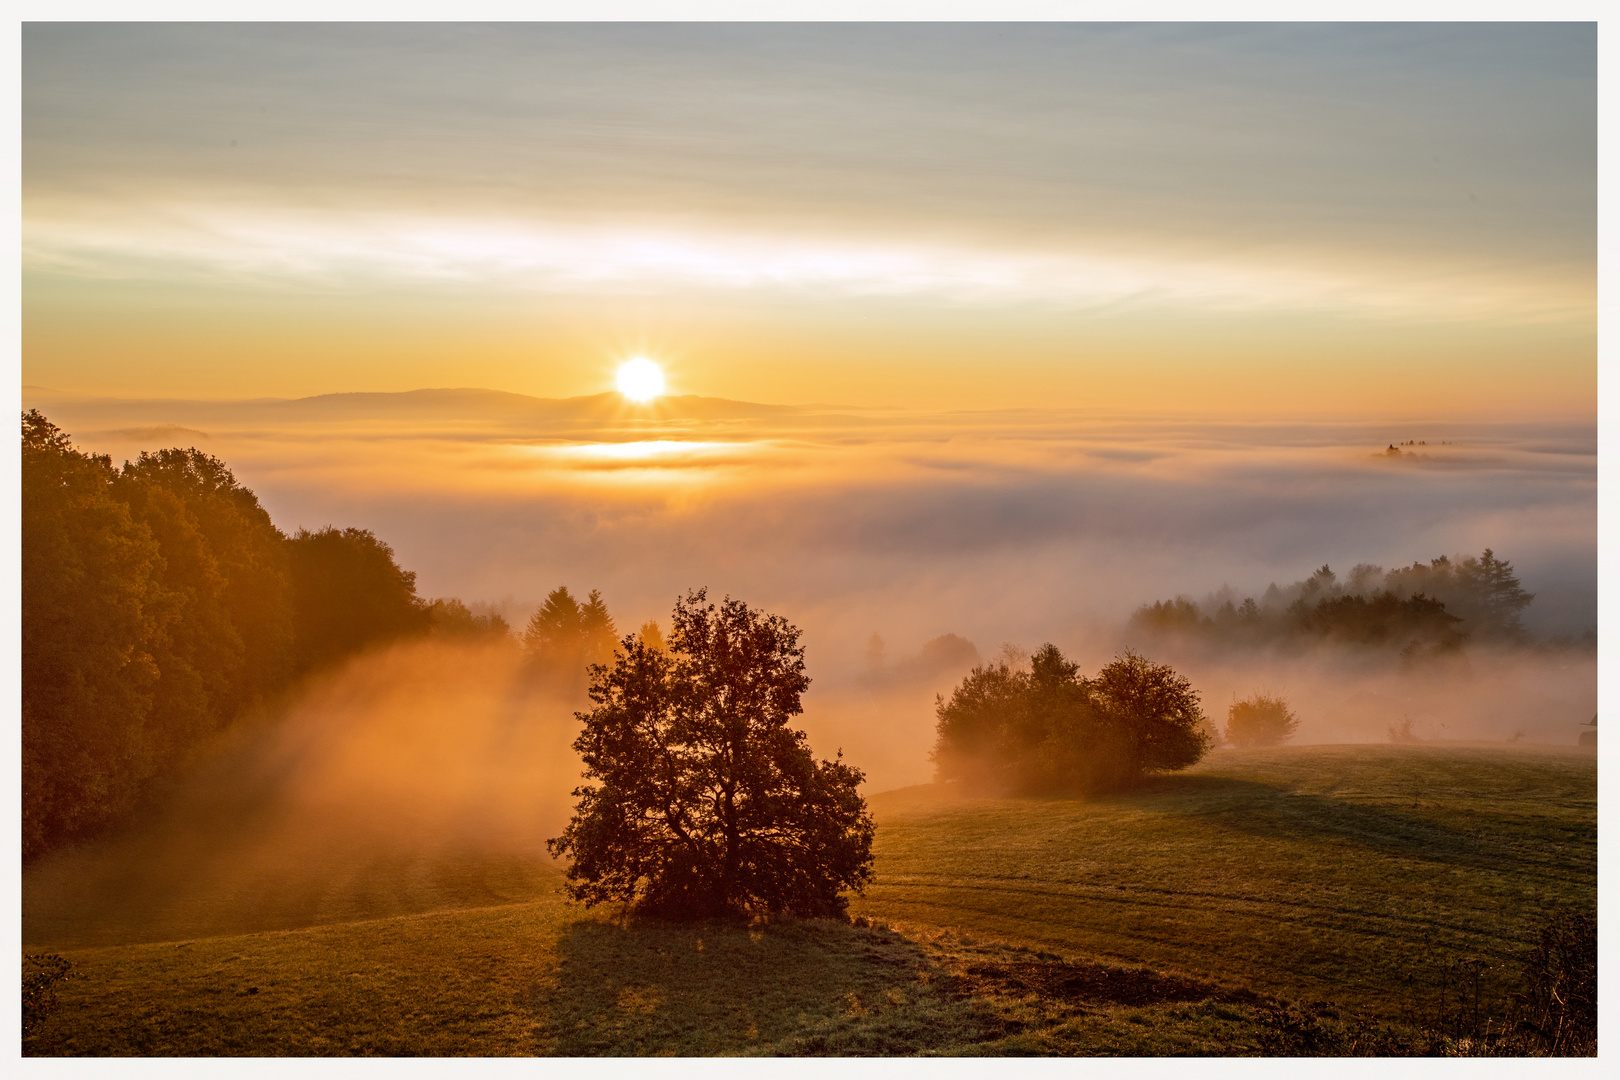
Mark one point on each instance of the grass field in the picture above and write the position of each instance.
(1177, 919)
(1317, 872)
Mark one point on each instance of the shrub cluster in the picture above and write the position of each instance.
(1260, 720)
(1050, 730)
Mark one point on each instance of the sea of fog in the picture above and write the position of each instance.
(908, 547)
(1010, 527)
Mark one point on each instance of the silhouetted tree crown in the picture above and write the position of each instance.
(223, 552)
(706, 802)
(1049, 730)
(450, 618)
(1157, 708)
(651, 636)
(91, 597)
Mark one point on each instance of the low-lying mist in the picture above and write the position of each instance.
(1496, 695)
(426, 775)
(1013, 525)
(432, 772)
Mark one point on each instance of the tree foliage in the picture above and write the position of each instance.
(159, 602)
(651, 636)
(1260, 720)
(90, 593)
(349, 594)
(1156, 708)
(1047, 729)
(706, 801)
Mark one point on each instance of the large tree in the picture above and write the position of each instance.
(706, 801)
(247, 554)
(159, 602)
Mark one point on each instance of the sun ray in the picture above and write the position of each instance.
(640, 379)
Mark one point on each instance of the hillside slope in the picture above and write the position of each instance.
(999, 926)
(1313, 871)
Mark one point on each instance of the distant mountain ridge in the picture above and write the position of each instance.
(460, 403)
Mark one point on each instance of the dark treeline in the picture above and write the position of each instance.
(1421, 611)
(158, 603)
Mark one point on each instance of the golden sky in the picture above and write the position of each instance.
(1272, 221)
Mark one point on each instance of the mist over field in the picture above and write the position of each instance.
(1186, 432)
(423, 774)
(999, 527)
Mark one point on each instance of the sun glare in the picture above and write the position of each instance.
(640, 379)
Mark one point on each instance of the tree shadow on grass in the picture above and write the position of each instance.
(797, 987)
(1276, 812)
(787, 987)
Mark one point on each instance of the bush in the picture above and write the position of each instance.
(1049, 730)
(1260, 720)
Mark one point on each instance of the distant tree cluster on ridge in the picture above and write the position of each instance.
(1421, 611)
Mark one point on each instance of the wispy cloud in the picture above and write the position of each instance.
(361, 251)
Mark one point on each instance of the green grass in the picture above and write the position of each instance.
(539, 978)
(1310, 872)
(1006, 927)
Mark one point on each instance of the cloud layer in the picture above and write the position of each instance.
(1016, 525)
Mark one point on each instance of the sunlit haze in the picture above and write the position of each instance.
(640, 379)
(760, 539)
(995, 332)
(1269, 221)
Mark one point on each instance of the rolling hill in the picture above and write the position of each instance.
(1297, 900)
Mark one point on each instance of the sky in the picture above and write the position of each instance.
(989, 330)
(1274, 221)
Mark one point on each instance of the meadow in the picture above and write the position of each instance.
(1314, 899)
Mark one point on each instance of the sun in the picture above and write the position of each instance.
(640, 379)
